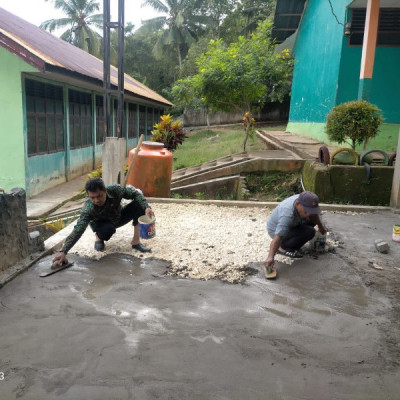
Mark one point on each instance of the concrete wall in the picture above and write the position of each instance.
(271, 112)
(348, 184)
(12, 147)
(317, 52)
(385, 86)
(14, 240)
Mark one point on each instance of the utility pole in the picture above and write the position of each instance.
(114, 148)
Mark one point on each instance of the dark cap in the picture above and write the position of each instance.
(309, 201)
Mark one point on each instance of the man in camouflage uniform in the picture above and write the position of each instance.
(104, 213)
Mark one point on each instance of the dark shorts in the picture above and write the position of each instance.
(298, 236)
(105, 229)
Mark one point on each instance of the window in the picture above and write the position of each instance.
(149, 120)
(80, 119)
(45, 117)
(100, 120)
(388, 27)
(142, 120)
(132, 121)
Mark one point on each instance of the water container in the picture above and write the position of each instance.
(396, 233)
(152, 169)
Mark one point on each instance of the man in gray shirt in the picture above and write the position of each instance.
(291, 225)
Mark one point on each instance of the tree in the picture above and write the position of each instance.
(242, 76)
(243, 18)
(254, 12)
(79, 20)
(216, 10)
(178, 28)
(141, 64)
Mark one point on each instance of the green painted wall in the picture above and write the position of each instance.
(327, 72)
(81, 161)
(45, 171)
(317, 51)
(385, 88)
(38, 173)
(12, 153)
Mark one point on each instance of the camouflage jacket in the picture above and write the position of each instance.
(110, 211)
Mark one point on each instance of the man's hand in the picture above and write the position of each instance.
(149, 212)
(60, 259)
(269, 262)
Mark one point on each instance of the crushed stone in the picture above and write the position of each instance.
(200, 241)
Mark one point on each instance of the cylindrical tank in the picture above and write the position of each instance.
(152, 169)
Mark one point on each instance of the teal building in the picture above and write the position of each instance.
(52, 127)
(327, 42)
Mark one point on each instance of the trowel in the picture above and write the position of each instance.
(56, 268)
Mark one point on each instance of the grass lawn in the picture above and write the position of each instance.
(205, 145)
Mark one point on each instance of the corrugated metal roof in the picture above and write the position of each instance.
(287, 18)
(46, 52)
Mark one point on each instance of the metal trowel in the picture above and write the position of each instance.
(56, 268)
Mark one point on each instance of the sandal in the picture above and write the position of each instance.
(290, 254)
(140, 247)
(99, 245)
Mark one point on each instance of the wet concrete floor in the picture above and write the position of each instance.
(119, 328)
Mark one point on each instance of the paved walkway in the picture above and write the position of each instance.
(45, 202)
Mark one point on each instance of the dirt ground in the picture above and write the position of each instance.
(122, 326)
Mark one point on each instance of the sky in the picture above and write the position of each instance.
(38, 11)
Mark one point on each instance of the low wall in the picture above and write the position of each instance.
(219, 188)
(348, 183)
(271, 112)
(14, 239)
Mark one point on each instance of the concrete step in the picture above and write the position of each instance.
(242, 167)
(209, 165)
(222, 188)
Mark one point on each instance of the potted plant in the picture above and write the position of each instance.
(354, 123)
(168, 132)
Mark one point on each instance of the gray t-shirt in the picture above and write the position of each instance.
(284, 217)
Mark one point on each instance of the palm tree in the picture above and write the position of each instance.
(79, 19)
(179, 27)
(254, 12)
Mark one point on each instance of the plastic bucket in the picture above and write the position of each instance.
(396, 233)
(147, 227)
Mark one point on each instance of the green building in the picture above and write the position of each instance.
(327, 41)
(51, 108)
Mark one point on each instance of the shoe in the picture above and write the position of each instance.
(99, 245)
(290, 254)
(140, 247)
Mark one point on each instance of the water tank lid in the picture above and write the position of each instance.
(153, 145)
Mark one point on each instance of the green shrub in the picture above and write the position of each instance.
(168, 132)
(356, 121)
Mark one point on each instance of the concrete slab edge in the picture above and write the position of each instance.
(10, 273)
(52, 244)
(269, 204)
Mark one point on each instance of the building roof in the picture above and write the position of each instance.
(287, 17)
(49, 53)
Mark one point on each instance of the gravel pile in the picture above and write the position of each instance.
(199, 241)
